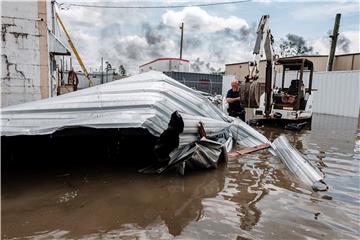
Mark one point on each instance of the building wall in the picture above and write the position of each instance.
(338, 93)
(342, 63)
(94, 77)
(347, 62)
(166, 65)
(24, 75)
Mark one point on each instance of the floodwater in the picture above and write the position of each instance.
(250, 197)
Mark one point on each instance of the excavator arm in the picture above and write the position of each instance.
(264, 41)
(263, 44)
(72, 46)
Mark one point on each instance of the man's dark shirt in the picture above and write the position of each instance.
(235, 106)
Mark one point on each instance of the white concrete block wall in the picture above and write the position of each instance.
(20, 52)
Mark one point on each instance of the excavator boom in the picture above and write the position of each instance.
(77, 55)
(264, 41)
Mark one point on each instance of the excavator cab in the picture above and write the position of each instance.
(295, 87)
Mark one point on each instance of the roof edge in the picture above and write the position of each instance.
(300, 56)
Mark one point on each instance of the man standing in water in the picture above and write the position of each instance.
(233, 98)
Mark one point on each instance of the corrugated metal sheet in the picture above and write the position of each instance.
(141, 101)
(338, 92)
(145, 100)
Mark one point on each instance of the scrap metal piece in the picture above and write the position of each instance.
(141, 101)
(245, 135)
(299, 165)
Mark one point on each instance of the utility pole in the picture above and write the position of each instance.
(53, 16)
(102, 70)
(52, 57)
(181, 40)
(334, 38)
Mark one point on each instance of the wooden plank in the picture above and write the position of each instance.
(248, 150)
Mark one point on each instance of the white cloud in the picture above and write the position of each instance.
(197, 19)
(111, 35)
(351, 43)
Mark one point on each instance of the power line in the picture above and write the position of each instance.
(155, 7)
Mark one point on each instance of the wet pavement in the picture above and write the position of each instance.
(251, 197)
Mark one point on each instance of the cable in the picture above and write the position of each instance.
(155, 7)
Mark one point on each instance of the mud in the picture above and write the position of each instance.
(252, 197)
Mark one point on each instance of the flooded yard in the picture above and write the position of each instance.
(250, 197)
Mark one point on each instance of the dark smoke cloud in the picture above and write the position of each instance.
(294, 45)
(243, 34)
(299, 43)
(206, 51)
(200, 66)
(152, 34)
(192, 42)
(343, 44)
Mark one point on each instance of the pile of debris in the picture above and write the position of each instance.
(164, 108)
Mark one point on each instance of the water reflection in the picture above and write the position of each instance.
(248, 181)
(92, 200)
(252, 197)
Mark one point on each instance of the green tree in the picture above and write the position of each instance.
(122, 70)
(293, 45)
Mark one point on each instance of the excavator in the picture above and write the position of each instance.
(286, 103)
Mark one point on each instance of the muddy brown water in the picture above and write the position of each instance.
(250, 197)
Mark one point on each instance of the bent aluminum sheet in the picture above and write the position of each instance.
(141, 101)
(144, 101)
(298, 165)
(246, 135)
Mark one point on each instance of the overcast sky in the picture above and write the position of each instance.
(213, 35)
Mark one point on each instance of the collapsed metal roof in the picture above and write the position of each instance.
(147, 101)
(141, 101)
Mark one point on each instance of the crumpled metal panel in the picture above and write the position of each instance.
(246, 135)
(207, 153)
(298, 165)
(145, 100)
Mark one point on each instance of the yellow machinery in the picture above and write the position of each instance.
(75, 51)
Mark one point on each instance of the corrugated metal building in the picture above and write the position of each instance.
(343, 62)
(336, 92)
(209, 83)
(29, 47)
